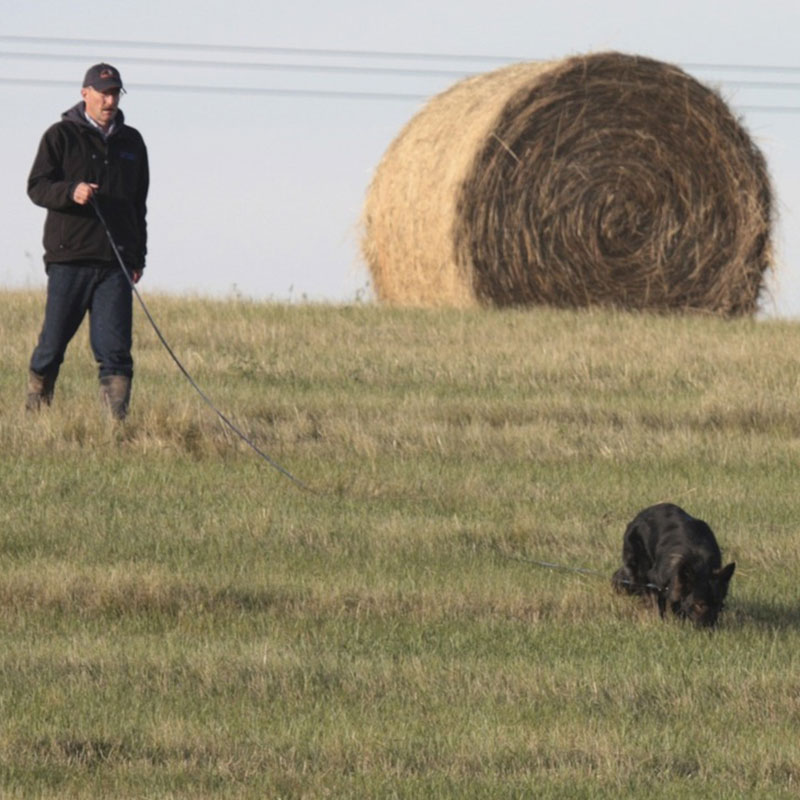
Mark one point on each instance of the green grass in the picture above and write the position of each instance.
(179, 620)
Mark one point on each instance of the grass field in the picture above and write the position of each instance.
(179, 620)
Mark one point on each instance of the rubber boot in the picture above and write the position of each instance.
(115, 394)
(40, 390)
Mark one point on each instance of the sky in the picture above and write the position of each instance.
(265, 120)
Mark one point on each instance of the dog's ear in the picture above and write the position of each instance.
(725, 574)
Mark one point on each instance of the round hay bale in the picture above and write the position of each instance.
(606, 179)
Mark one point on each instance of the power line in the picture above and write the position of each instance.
(228, 90)
(792, 85)
(744, 68)
(319, 68)
(318, 93)
(250, 65)
(333, 52)
(770, 109)
(330, 68)
(238, 48)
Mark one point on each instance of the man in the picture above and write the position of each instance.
(90, 157)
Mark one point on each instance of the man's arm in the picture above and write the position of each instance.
(141, 208)
(47, 186)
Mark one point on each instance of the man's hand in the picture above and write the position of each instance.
(84, 192)
(136, 275)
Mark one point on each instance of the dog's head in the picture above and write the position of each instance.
(699, 595)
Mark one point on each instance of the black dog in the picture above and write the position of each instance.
(671, 556)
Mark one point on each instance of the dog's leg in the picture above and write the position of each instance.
(622, 580)
(662, 605)
(636, 562)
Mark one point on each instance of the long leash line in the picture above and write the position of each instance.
(183, 369)
(576, 570)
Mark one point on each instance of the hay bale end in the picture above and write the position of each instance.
(606, 179)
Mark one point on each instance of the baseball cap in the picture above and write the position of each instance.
(103, 77)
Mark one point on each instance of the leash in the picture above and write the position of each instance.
(183, 369)
(576, 570)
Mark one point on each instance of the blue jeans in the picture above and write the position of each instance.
(72, 290)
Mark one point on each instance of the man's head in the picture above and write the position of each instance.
(101, 89)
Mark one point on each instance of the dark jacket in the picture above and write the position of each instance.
(74, 151)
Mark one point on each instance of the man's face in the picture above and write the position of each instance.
(101, 106)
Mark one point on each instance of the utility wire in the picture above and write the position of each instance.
(250, 65)
(316, 93)
(235, 48)
(326, 68)
(311, 51)
(228, 90)
(330, 68)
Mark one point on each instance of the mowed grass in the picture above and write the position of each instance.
(179, 619)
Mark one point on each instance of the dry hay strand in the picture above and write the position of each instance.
(606, 179)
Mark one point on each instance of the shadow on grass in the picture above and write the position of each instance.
(769, 616)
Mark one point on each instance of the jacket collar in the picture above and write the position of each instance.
(77, 115)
